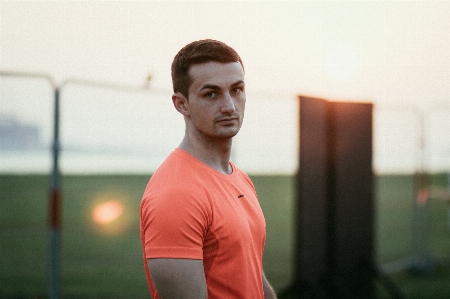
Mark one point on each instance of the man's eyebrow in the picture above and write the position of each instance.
(238, 83)
(216, 87)
(210, 86)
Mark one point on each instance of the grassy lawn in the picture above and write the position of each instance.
(105, 261)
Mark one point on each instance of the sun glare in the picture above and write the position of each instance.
(107, 212)
(341, 62)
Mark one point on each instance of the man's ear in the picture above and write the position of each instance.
(180, 103)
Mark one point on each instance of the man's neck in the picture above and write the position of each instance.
(215, 153)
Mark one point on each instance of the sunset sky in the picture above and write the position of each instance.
(393, 53)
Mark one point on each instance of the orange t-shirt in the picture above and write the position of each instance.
(189, 210)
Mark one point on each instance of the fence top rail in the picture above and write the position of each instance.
(31, 75)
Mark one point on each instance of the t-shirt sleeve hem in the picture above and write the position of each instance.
(181, 253)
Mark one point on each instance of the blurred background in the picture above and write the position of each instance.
(110, 61)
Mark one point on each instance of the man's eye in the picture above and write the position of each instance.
(210, 95)
(237, 90)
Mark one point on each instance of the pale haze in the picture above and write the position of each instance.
(394, 54)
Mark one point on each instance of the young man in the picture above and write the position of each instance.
(202, 228)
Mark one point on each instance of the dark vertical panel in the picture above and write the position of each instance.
(333, 249)
(312, 191)
(352, 199)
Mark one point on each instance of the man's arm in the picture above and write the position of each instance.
(178, 278)
(269, 293)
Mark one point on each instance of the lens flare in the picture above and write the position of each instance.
(107, 212)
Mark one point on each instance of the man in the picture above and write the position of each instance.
(202, 228)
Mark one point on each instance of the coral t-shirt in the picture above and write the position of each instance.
(190, 210)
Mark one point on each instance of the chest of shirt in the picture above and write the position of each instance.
(236, 217)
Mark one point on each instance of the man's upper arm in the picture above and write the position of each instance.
(178, 278)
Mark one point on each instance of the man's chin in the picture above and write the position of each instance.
(227, 134)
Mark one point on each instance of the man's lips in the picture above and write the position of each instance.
(227, 120)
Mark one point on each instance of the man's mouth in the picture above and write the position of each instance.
(228, 120)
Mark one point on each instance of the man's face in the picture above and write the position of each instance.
(216, 99)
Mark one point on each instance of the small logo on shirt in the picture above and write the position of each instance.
(241, 195)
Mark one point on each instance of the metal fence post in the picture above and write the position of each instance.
(54, 194)
(55, 206)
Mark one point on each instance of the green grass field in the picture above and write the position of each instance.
(106, 261)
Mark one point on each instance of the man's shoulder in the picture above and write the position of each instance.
(171, 165)
(176, 174)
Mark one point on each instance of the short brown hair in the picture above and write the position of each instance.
(198, 52)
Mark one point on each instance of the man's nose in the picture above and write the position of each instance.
(228, 105)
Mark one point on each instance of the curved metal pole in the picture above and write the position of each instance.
(55, 206)
(54, 217)
(55, 195)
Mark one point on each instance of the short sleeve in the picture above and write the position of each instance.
(174, 224)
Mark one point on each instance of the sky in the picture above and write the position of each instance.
(395, 54)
